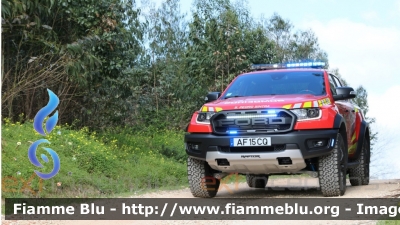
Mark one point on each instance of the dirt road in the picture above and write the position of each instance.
(296, 187)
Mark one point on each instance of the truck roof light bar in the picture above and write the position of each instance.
(308, 64)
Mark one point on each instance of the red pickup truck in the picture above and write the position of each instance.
(291, 118)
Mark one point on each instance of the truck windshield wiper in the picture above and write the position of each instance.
(234, 96)
(263, 94)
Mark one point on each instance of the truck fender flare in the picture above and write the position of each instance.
(339, 120)
(337, 124)
(361, 138)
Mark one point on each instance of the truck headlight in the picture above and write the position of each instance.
(307, 114)
(204, 117)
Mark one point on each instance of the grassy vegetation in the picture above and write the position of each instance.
(119, 162)
(388, 222)
(115, 163)
(92, 165)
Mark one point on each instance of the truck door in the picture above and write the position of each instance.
(348, 111)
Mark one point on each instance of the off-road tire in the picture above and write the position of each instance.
(332, 170)
(201, 180)
(256, 181)
(360, 175)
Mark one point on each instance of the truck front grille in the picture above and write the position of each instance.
(252, 121)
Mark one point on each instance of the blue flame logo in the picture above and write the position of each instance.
(38, 126)
(35, 161)
(45, 111)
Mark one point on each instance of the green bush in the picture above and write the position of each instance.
(92, 164)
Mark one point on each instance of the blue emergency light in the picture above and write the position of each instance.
(306, 64)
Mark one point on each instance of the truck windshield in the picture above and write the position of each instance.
(277, 83)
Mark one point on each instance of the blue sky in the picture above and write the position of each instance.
(371, 12)
(362, 39)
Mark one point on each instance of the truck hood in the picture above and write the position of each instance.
(277, 101)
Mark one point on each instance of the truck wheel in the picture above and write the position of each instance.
(360, 174)
(257, 181)
(201, 180)
(332, 170)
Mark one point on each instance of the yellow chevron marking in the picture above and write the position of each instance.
(287, 106)
(218, 109)
(329, 101)
(354, 137)
(204, 109)
(307, 105)
(353, 148)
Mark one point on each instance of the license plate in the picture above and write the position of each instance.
(250, 141)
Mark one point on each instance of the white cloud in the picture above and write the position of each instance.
(385, 108)
(398, 5)
(369, 16)
(365, 55)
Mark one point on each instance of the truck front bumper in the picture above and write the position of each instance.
(286, 154)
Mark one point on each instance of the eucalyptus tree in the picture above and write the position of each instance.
(79, 49)
(292, 45)
(165, 84)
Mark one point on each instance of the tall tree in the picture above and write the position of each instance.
(166, 83)
(280, 31)
(304, 45)
(224, 42)
(362, 101)
(80, 49)
(290, 45)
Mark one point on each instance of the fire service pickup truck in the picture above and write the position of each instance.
(279, 119)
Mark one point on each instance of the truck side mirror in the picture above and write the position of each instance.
(344, 93)
(212, 96)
